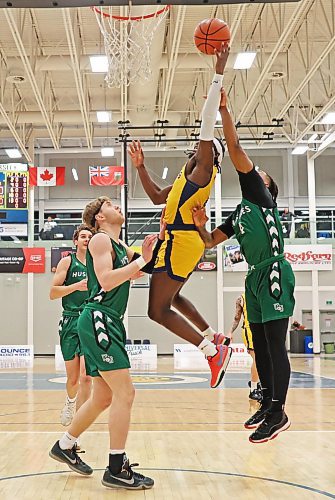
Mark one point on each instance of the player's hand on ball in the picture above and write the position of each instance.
(199, 216)
(221, 58)
(82, 285)
(148, 246)
(136, 154)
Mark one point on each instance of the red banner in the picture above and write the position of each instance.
(34, 260)
(106, 176)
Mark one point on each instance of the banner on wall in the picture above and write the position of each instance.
(58, 253)
(13, 229)
(141, 357)
(301, 257)
(208, 261)
(233, 259)
(22, 260)
(310, 257)
(16, 356)
(188, 357)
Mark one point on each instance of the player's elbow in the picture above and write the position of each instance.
(52, 295)
(158, 199)
(209, 244)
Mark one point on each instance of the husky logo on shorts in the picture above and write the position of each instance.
(278, 307)
(107, 358)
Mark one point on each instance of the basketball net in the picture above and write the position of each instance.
(127, 43)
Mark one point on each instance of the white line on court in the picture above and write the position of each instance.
(165, 432)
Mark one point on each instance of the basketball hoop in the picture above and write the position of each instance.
(128, 41)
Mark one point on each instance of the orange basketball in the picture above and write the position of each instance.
(209, 35)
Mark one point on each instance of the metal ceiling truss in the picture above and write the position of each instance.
(70, 20)
(28, 63)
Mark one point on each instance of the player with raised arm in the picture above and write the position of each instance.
(183, 247)
(269, 285)
(110, 266)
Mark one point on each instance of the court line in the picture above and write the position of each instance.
(194, 471)
(293, 431)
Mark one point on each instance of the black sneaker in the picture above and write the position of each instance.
(255, 394)
(70, 458)
(257, 418)
(127, 479)
(273, 424)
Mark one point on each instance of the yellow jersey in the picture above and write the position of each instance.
(184, 196)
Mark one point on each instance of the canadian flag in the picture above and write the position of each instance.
(46, 176)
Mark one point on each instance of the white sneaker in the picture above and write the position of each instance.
(67, 412)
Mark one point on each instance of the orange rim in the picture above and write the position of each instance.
(136, 18)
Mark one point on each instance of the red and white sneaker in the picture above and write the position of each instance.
(218, 363)
(220, 338)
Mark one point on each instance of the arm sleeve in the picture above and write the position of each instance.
(254, 190)
(227, 226)
(210, 109)
(148, 268)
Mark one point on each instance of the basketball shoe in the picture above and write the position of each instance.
(257, 418)
(255, 394)
(220, 338)
(273, 423)
(218, 363)
(67, 413)
(127, 478)
(70, 458)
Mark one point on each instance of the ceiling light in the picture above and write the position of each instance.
(99, 64)
(13, 153)
(329, 118)
(244, 60)
(299, 150)
(104, 116)
(313, 138)
(107, 151)
(165, 172)
(75, 174)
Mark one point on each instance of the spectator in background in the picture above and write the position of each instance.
(286, 222)
(46, 233)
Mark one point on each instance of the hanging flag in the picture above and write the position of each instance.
(106, 176)
(46, 176)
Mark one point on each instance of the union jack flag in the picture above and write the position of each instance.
(106, 176)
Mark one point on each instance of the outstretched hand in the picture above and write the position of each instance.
(136, 154)
(199, 216)
(221, 58)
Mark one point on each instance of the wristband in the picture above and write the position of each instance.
(140, 262)
(218, 79)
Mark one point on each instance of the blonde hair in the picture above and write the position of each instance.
(91, 210)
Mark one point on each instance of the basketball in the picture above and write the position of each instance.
(209, 35)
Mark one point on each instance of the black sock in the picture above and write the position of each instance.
(266, 402)
(276, 406)
(116, 462)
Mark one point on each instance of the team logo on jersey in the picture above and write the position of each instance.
(278, 307)
(107, 358)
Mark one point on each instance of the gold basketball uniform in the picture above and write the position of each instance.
(183, 246)
(246, 332)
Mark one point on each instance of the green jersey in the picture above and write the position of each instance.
(115, 300)
(74, 302)
(255, 221)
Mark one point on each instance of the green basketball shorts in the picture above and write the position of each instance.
(103, 339)
(269, 292)
(69, 338)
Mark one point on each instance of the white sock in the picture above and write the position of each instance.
(253, 385)
(207, 347)
(71, 400)
(208, 333)
(117, 452)
(67, 441)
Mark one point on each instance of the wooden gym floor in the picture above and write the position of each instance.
(188, 437)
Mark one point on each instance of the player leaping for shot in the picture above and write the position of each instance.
(183, 247)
